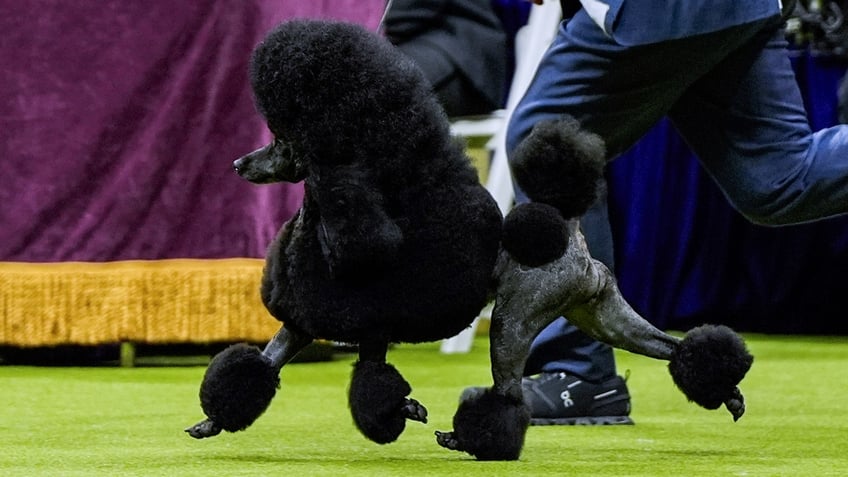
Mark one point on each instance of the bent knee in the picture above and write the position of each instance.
(773, 208)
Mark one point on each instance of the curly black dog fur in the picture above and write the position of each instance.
(397, 241)
(709, 363)
(489, 426)
(238, 386)
(560, 164)
(378, 401)
(535, 234)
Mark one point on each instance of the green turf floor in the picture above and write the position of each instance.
(108, 421)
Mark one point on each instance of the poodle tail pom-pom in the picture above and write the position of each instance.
(535, 234)
(708, 364)
(491, 426)
(560, 164)
(238, 386)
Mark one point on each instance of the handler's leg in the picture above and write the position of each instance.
(617, 93)
(614, 91)
(748, 126)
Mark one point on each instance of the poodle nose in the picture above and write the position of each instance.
(236, 164)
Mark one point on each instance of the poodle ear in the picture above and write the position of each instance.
(361, 245)
(355, 231)
(560, 164)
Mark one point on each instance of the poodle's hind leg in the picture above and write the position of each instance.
(378, 396)
(490, 424)
(241, 381)
(706, 365)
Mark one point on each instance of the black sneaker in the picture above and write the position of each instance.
(560, 399)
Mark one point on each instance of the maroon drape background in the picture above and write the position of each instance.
(119, 122)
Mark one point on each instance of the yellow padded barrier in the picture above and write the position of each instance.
(157, 302)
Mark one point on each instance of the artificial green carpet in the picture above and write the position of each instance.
(59, 421)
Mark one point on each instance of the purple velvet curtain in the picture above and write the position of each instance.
(119, 122)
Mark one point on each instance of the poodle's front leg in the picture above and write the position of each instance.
(490, 424)
(241, 381)
(284, 346)
(378, 396)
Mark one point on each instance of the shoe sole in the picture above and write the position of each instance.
(583, 421)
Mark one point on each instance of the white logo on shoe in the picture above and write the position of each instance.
(566, 398)
(566, 395)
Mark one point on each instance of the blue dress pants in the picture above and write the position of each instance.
(733, 97)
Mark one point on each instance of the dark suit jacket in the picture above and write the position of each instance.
(468, 32)
(639, 22)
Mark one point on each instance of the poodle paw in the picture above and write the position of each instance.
(414, 411)
(204, 428)
(447, 440)
(489, 426)
(735, 404)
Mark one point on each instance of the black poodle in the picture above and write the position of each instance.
(397, 241)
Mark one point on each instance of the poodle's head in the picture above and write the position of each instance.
(331, 92)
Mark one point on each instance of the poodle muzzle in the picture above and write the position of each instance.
(276, 162)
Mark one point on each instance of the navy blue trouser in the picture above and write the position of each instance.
(731, 94)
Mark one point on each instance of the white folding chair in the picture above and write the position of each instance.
(531, 42)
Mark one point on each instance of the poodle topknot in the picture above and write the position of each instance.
(314, 82)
